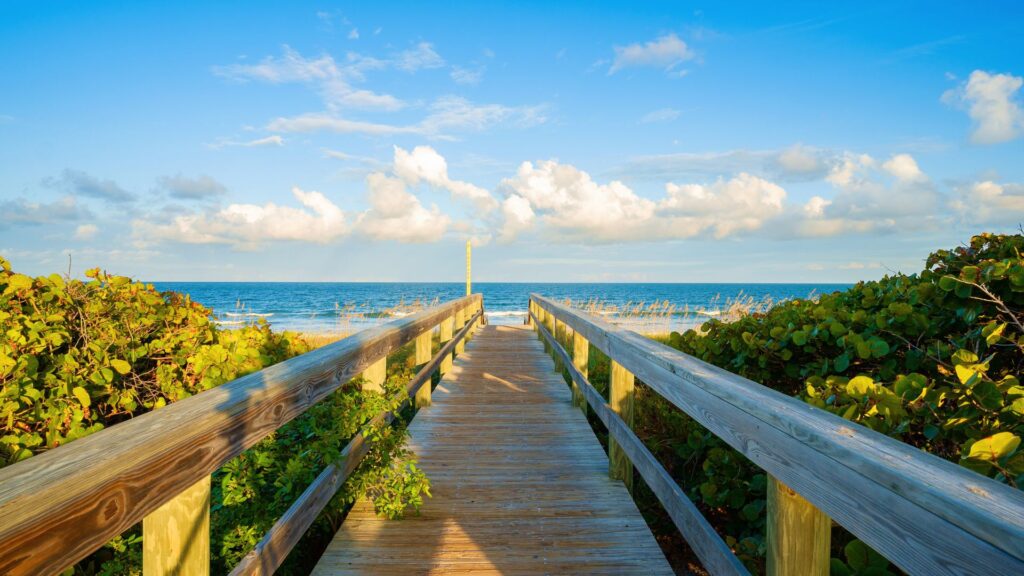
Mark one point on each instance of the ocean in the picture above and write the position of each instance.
(346, 307)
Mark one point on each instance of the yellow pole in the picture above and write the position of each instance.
(469, 259)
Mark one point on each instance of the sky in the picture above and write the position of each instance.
(569, 142)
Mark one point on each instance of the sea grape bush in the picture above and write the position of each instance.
(933, 359)
(78, 356)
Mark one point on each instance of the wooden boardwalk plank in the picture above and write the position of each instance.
(520, 483)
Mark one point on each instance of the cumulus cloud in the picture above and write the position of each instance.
(318, 220)
(396, 214)
(666, 52)
(796, 163)
(992, 103)
(742, 203)
(22, 212)
(570, 204)
(422, 56)
(423, 163)
(200, 188)
(80, 183)
(904, 168)
(988, 202)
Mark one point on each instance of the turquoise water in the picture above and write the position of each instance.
(341, 307)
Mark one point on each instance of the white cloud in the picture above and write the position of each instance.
(424, 163)
(86, 232)
(991, 101)
(246, 226)
(800, 159)
(466, 76)
(421, 57)
(988, 202)
(447, 114)
(396, 214)
(666, 52)
(200, 188)
(274, 140)
(726, 206)
(570, 204)
(21, 212)
(662, 115)
(904, 168)
(353, 34)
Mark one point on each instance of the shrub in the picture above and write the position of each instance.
(932, 359)
(78, 356)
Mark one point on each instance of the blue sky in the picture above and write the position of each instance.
(657, 142)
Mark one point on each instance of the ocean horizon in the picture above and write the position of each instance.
(346, 307)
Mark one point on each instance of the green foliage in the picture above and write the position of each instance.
(78, 356)
(932, 359)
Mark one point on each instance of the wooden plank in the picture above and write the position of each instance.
(447, 327)
(274, 547)
(176, 536)
(423, 342)
(903, 502)
(620, 397)
(57, 507)
(715, 555)
(503, 501)
(581, 361)
(799, 535)
(375, 375)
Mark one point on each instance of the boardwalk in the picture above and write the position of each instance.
(520, 482)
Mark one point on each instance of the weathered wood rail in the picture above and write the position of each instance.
(925, 514)
(60, 506)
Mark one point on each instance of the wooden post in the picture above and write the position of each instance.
(176, 536)
(581, 360)
(460, 321)
(423, 342)
(558, 328)
(799, 535)
(446, 334)
(375, 375)
(530, 308)
(620, 398)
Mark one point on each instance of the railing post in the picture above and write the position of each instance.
(558, 324)
(581, 360)
(375, 375)
(620, 398)
(530, 308)
(446, 334)
(799, 535)
(423, 342)
(176, 536)
(460, 321)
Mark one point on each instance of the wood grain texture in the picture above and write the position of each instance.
(799, 535)
(446, 329)
(715, 555)
(57, 507)
(926, 515)
(176, 536)
(375, 375)
(621, 393)
(423, 347)
(519, 481)
(274, 547)
(581, 360)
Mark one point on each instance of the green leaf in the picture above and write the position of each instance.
(994, 447)
(931, 431)
(987, 394)
(860, 386)
(948, 283)
(993, 333)
(121, 366)
(82, 395)
(879, 347)
(963, 356)
(799, 337)
(18, 282)
(856, 553)
(842, 362)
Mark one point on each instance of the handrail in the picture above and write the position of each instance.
(925, 514)
(59, 506)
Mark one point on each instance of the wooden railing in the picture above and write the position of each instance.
(58, 507)
(925, 514)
